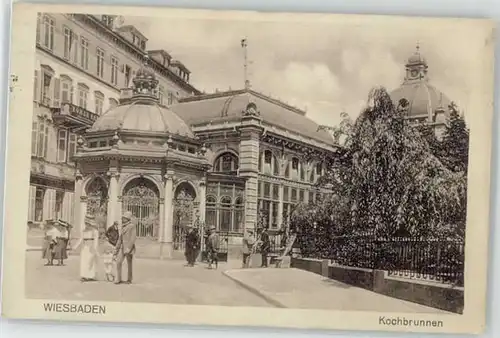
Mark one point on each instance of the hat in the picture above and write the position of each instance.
(90, 220)
(250, 230)
(63, 224)
(127, 215)
(212, 227)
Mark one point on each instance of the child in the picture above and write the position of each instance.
(109, 260)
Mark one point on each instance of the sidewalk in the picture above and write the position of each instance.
(294, 288)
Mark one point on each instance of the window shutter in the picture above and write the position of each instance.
(46, 141)
(34, 137)
(46, 205)
(61, 145)
(57, 92)
(52, 203)
(36, 87)
(31, 206)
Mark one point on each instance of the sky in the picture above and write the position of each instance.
(325, 67)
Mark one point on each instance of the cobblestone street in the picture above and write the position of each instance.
(155, 281)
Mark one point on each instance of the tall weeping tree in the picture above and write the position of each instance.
(391, 177)
(455, 143)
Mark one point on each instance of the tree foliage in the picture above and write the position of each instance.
(388, 181)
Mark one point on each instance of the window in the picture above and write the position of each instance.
(295, 163)
(268, 205)
(84, 54)
(66, 90)
(114, 70)
(100, 62)
(170, 99)
(62, 139)
(40, 138)
(225, 217)
(48, 32)
(99, 103)
(57, 92)
(82, 96)
(270, 164)
(39, 197)
(46, 94)
(71, 147)
(68, 42)
(59, 204)
(225, 207)
(36, 87)
(227, 162)
(318, 168)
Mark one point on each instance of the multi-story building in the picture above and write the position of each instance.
(82, 64)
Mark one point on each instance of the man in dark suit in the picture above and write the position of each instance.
(125, 247)
(192, 244)
(265, 246)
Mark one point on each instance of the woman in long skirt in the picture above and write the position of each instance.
(60, 250)
(89, 252)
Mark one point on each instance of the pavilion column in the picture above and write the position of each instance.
(168, 216)
(113, 198)
(83, 212)
(77, 204)
(203, 195)
(161, 229)
(119, 210)
(280, 207)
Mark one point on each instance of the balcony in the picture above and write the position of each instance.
(72, 116)
(50, 170)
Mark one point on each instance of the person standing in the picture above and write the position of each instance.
(265, 246)
(247, 245)
(88, 255)
(213, 248)
(125, 248)
(49, 242)
(60, 249)
(192, 243)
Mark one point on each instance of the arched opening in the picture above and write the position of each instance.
(226, 163)
(184, 207)
(268, 163)
(141, 198)
(97, 201)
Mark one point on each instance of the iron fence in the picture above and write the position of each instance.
(431, 259)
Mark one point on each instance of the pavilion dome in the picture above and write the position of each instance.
(422, 98)
(142, 112)
(142, 116)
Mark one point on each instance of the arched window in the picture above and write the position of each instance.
(225, 213)
(226, 162)
(269, 163)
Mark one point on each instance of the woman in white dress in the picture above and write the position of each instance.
(89, 252)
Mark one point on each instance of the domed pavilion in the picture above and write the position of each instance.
(422, 102)
(141, 157)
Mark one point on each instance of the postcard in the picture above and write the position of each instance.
(245, 168)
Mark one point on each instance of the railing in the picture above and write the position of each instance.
(429, 259)
(69, 109)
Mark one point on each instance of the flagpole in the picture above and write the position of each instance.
(245, 65)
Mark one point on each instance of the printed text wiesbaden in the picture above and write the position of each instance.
(75, 308)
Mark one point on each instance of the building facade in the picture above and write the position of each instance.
(82, 64)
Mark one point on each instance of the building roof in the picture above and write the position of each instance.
(230, 105)
(424, 99)
(142, 117)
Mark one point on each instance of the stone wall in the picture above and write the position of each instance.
(440, 296)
